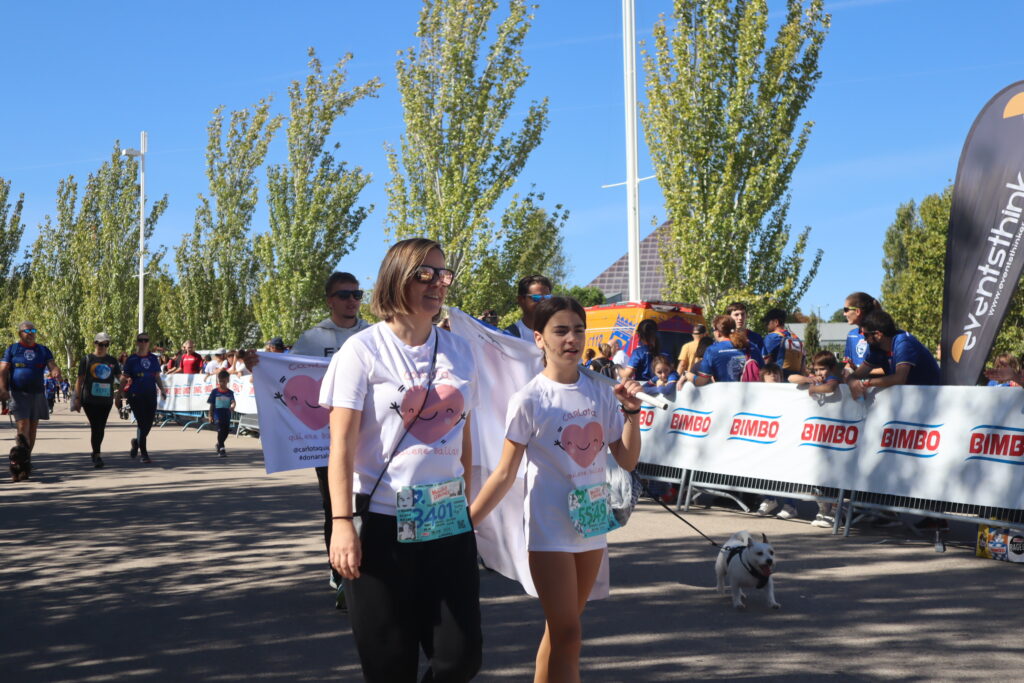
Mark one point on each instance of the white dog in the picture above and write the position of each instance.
(747, 565)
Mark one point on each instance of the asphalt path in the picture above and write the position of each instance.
(203, 568)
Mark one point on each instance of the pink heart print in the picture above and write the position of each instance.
(441, 411)
(301, 395)
(583, 443)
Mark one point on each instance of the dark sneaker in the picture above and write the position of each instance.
(97, 461)
(135, 448)
(222, 453)
(339, 599)
(145, 457)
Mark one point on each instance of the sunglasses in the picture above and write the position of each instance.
(847, 309)
(30, 330)
(428, 275)
(343, 294)
(102, 343)
(540, 297)
(142, 340)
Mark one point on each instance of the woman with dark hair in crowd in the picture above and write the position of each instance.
(639, 367)
(724, 360)
(563, 420)
(856, 306)
(410, 582)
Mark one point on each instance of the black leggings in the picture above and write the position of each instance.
(413, 595)
(97, 413)
(223, 429)
(144, 408)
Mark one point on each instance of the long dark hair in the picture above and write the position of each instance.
(647, 331)
(548, 307)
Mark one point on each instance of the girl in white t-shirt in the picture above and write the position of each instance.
(563, 420)
(399, 395)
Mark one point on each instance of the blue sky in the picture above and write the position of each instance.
(902, 82)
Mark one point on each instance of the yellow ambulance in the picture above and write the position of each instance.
(608, 322)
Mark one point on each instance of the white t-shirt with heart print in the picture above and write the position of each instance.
(374, 372)
(566, 429)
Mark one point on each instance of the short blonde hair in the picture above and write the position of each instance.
(402, 259)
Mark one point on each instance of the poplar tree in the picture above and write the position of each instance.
(461, 153)
(722, 125)
(11, 231)
(215, 262)
(314, 220)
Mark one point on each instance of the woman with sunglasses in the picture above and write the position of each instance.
(141, 373)
(857, 306)
(399, 394)
(94, 390)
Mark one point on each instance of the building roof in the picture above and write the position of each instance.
(614, 281)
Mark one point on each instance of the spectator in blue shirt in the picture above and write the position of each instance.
(894, 357)
(21, 381)
(857, 306)
(725, 359)
(737, 310)
(639, 366)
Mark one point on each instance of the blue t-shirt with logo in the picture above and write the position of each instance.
(756, 340)
(220, 401)
(640, 361)
(143, 371)
(27, 365)
(906, 349)
(856, 348)
(725, 362)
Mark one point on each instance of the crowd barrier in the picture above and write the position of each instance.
(954, 452)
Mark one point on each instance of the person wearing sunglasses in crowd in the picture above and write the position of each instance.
(94, 391)
(343, 297)
(532, 290)
(856, 306)
(23, 365)
(400, 395)
(141, 375)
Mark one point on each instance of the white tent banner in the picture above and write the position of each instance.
(189, 393)
(294, 428)
(954, 444)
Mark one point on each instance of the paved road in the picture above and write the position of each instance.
(200, 568)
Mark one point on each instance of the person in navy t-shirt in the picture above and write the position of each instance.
(737, 310)
(142, 375)
(23, 385)
(725, 359)
(222, 403)
(857, 305)
(639, 366)
(898, 354)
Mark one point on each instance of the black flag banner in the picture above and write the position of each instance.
(984, 249)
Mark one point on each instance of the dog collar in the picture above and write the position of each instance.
(762, 579)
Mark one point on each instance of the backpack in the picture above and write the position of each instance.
(605, 367)
(751, 372)
(792, 352)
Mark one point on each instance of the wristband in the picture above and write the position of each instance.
(628, 412)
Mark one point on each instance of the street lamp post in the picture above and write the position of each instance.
(141, 154)
(632, 183)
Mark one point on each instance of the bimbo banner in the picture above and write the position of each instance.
(983, 245)
(954, 444)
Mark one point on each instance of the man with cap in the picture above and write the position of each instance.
(25, 362)
(324, 339)
(275, 345)
(94, 391)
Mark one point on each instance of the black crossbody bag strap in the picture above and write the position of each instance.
(363, 509)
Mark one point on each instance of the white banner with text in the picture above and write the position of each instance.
(189, 393)
(954, 444)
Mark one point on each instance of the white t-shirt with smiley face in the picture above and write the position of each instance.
(377, 374)
(566, 429)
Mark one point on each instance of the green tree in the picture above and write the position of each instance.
(812, 336)
(721, 123)
(838, 316)
(314, 219)
(914, 266)
(215, 262)
(458, 157)
(11, 231)
(588, 296)
(75, 282)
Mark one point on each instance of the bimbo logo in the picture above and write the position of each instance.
(755, 428)
(830, 434)
(687, 422)
(911, 438)
(997, 444)
(646, 418)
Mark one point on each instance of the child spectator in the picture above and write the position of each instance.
(1005, 362)
(771, 373)
(222, 404)
(664, 377)
(825, 374)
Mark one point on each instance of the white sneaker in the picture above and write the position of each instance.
(787, 512)
(767, 507)
(333, 583)
(823, 521)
